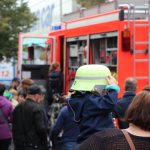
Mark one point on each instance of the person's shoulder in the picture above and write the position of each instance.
(121, 101)
(64, 109)
(19, 106)
(5, 102)
(106, 139)
(37, 107)
(108, 134)
(101, 139)
(126, 99)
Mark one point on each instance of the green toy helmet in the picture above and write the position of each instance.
(91, 78)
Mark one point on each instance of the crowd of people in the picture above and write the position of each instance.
(91, 117)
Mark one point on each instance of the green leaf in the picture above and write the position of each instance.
(14, 19)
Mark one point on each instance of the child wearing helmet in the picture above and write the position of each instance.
(93, 100)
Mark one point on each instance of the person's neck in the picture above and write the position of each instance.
(135, 130)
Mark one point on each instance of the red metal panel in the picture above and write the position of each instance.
(125, 58)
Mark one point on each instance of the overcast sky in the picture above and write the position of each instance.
(34, 2)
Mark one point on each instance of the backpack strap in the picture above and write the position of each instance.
(129, 140)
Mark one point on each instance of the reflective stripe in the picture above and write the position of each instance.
(90, 78)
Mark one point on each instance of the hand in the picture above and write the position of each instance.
(111, 80)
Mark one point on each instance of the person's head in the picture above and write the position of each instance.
(26, 83)
(21, 96)
(130, 84)
(15, 83)
(139, 110)
(91, 78)
(14, 94)
(54, 66)
(34, 93)
(2, 89)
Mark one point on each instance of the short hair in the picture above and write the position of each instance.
(130, 84)
(34, 89)
(27, 81)
(16, 79)
(22, 93)
(13, 92)
(139, 110)
(2, 89)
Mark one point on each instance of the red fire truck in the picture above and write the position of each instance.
(118, 39)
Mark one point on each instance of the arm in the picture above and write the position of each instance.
(118, 110)
(105, 103)
(58, 126)
(10, 114)
(40, 123)
(108, 101)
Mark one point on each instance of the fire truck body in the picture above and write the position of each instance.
(112, 39)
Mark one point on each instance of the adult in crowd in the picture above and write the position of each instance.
(69, 129)
(30, 122)
(55, 82)
(93, 100)
(54, 91)
(21, 96)
(138, 118)
(130, 87)
(25, 84)
(15, 83)
(6, 110)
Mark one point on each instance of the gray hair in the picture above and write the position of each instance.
(130, 84)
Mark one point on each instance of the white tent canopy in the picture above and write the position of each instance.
(34, 41)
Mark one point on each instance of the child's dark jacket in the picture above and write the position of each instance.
(93, 112)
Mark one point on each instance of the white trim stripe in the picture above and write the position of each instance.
(89, 78)
(92, 21)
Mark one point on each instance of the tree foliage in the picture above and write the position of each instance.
(13, 19)
(88, 3)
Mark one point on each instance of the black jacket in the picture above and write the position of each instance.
(55, 82)
(54, 85)
(93, 112)
(29, 125)
(121, 108)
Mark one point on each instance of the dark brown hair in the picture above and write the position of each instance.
(138, 112)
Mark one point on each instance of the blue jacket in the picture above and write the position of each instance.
(92, 112)
(66, 124)
(121, 108)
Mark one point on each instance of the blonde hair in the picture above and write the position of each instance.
(13, 91)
